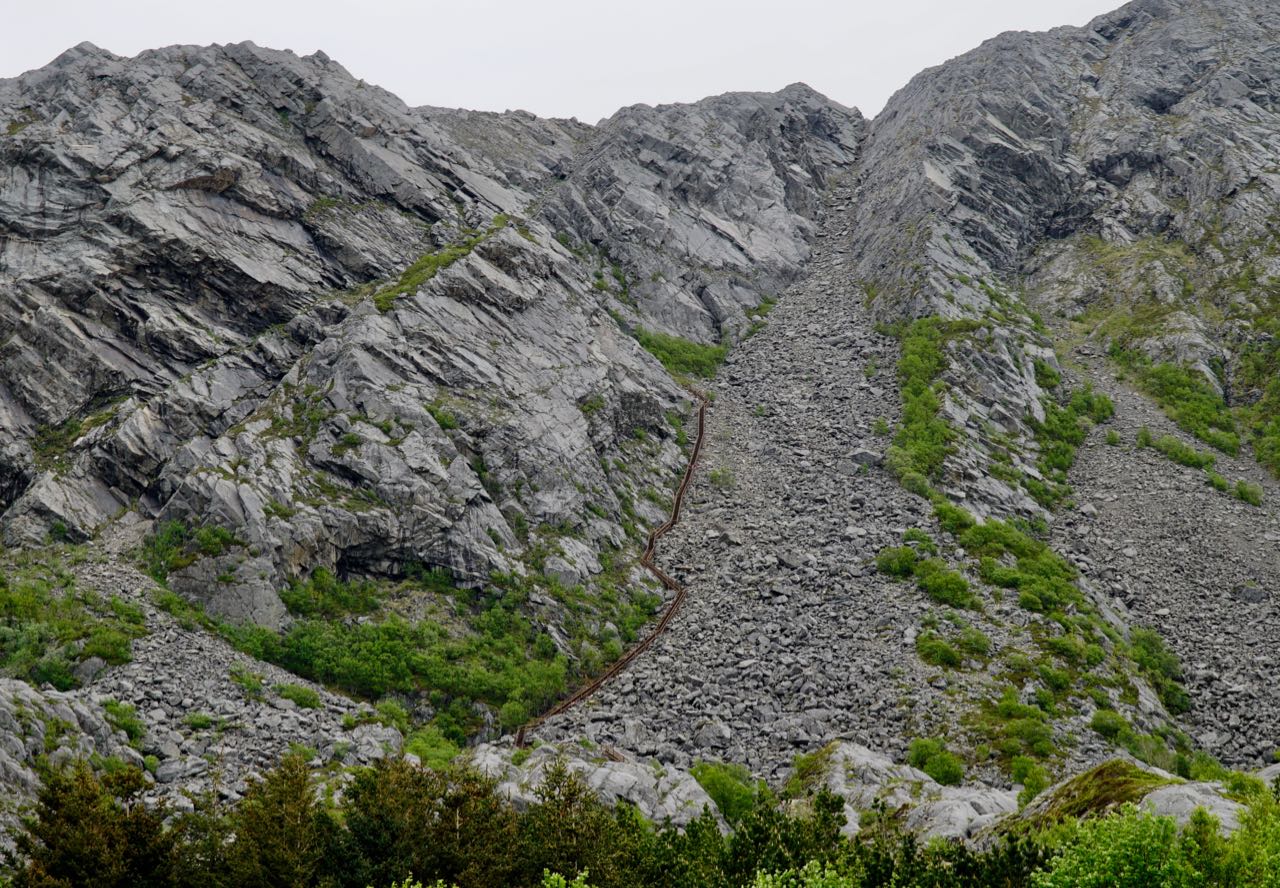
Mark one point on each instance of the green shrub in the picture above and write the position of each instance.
(1145, 438)
(428, 266)
(431, 746)
(324, 595)
(1130, 849)
(1161, 667)
(1108, 723)
(446, 420)
(945, 586)
(897, 561)
(304, 697)
(936, 651)
(1062, 430)
(730, 787)
(682, 357)
(924, 542)
(1188, 399)
(974, 643)
(914, 482)
(124, 717)
(923, 440)
(249, 681)
(1047, 377)
(932, 757)
(808, 772)
(1249, 493)
(1113, 438)
(1216, 481)
(1180, 453)
(1033, 777)
(954, 520)
(112, 645)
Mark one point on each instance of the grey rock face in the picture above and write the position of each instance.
(706, 227)
(186, 228)
(661, 793)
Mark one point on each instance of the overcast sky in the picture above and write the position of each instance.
(563, 58)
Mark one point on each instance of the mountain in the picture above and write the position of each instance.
(389, 397)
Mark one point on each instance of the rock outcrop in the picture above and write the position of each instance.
(191, 241)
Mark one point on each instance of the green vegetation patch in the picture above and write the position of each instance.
(730, 787)
(303, 697)
(1161, 667)
(1097, 792)
(174, 545)
(48, 625)
(808, 772)
(932, 576)
(1186, 397)
(923, 440)
(682, 357)
(324, 595)
(1062, 431)
(1173, 449)
(430, 264)
(51, 444)
(932, 757)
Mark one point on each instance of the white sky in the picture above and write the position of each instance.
(583, 58)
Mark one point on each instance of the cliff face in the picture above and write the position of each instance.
(997, 175)
(192, 243)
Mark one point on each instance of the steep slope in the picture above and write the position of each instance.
(183, 235)
(1117, 175)
(266, 326)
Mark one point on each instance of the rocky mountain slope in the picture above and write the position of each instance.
(997, 474)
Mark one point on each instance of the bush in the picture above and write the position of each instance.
(975, 643)
(730, 787)
(1180, 453)
(1128, 850)
(932, 757)
(303, 697)
(1033, 777)
(1189, 401)
(1161, 667)
(923, 440)
(46, 625)
(897, 561)
(431, 746)
(324, 595)
(124, 717)
(924, 542)
(954, 520)
(936, 651)
(946, 587)
(1249, 493)
(1109, 723)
